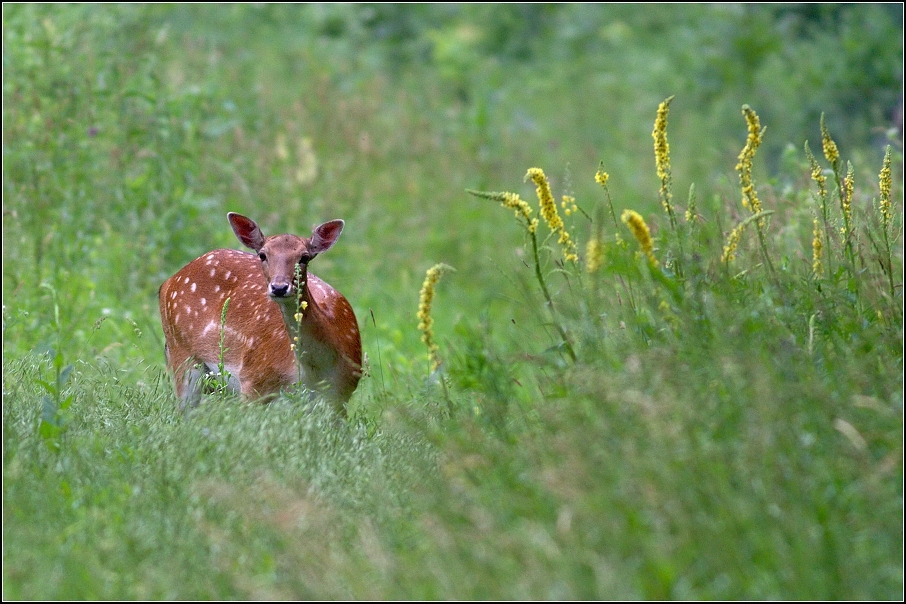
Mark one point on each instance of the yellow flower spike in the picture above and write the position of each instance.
(817, 246)
(884, 181)
(425, 322)
(690, 208)
(661, 146)
(513, 202)
(884, 206)
(735, 235)
(846, 199)
(520, 207)
(549, 213)
(545, 199)
(817, 173)
(744, 167)
(302, 306)
(662, 156)
(829, 146)
(639, 229)
(601, 177)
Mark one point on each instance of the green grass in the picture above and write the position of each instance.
(726, 430)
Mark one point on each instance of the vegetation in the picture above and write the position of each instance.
(678, 376)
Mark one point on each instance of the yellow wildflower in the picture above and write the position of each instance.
(549, 212)
(513, 202)
(817, 246)
(601, 177)
(884, 181)
(828, 145)
(661, 146)
(545, 199)
(425, 322)
(744, 167)
(662, 155)
(732, 243)
(846, 199)
(639, 229)
(521, 208)
(690, 209)
(817, 173)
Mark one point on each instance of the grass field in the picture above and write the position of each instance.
(675, 373)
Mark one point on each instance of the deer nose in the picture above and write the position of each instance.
(279, 288)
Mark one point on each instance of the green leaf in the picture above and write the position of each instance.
(64, 376)
(50, 388)
(49, 431)
(49, 410)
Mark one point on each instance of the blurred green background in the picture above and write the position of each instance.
(130, 131)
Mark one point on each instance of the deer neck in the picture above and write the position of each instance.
(298, 310)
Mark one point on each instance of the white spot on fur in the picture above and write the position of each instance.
(209, 327)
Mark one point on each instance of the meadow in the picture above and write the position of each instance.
(629, 283)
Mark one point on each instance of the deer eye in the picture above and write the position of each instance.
(262, 256)
(304, 259)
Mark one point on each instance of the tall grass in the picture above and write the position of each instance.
(640, 388)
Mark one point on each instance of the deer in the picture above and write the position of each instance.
(262, 318)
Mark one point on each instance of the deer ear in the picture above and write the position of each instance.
(246, 231)
(325, 235)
